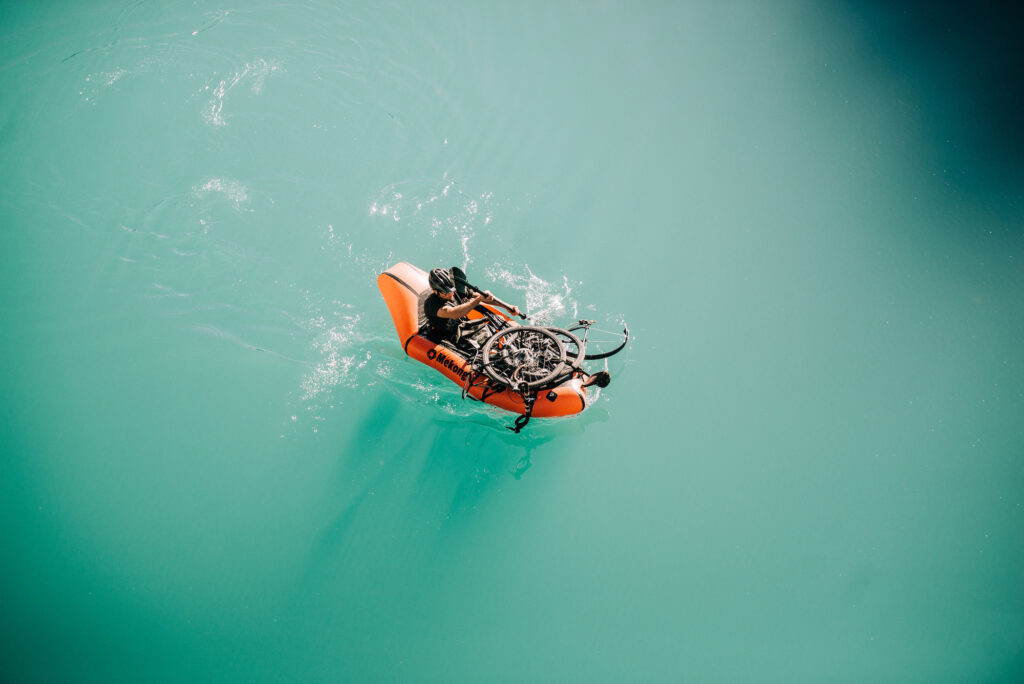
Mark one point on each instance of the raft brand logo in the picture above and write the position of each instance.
(454, 365)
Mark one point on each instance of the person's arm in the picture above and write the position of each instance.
(494, 301)
(455, 311)
(514, 310)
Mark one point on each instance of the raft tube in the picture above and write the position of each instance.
(404, 288)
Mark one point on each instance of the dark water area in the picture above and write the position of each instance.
(961, 66)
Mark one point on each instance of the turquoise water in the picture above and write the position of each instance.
(219, 466)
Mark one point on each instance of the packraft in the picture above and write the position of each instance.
(533, 370)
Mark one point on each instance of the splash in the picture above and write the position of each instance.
(438, 210)
(544, 301)
(254, 74)
(95, 83)
(342, 355)
(107, 78)
(234, 191)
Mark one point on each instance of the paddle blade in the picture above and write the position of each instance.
(461, 283)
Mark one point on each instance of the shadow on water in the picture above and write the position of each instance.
(963, 62)
(409, 479)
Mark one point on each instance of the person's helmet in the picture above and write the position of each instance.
(441, 280)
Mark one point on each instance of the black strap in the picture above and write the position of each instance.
(530, 398)
(521, 422)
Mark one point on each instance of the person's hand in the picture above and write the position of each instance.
(488, 298)
(515, 310)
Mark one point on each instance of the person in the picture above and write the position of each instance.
(445, 311)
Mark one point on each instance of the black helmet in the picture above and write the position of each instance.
(441, 280)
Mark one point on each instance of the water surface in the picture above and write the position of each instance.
(218, 465)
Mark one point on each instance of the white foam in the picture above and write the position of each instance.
(439, 207)
(341, 356)
(100, 80)
(254, 74)
(234, 191)
(544, 301)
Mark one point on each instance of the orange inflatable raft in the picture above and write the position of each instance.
(404, 288)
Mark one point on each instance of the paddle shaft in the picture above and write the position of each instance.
(461, 276)
(496, 301)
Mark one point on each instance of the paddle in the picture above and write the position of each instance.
(462, 284)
